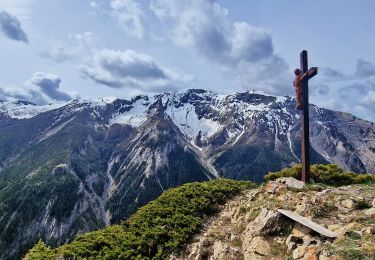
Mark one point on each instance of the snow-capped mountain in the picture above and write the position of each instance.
(77, 166)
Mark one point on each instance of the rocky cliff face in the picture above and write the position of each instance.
(250, 227)
(73, 167)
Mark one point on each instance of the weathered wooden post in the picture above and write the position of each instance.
(305, 143)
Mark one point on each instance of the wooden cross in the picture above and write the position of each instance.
(305, 144)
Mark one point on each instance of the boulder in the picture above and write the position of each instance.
(291, 182)
(267, 222)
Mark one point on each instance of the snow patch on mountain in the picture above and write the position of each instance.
(136, 115)
(25, 110)
(187, 120)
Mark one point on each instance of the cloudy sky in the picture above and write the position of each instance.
(56, 50)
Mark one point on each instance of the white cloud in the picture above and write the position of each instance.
(369, 100)
(84, 40)
(94, 4)
(49, 85)
(42, 88)
(244, 52)
(365, 68)
(59, 53)
(24, 93)
(19, 8)
(331, 73)
(11, 27)
(353, 93)
(132, 70)
(130, 17)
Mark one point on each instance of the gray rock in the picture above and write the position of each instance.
(267, 222)
(291, 182)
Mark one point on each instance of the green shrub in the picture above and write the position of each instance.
(156, 229)
(361, 204)
(353, 235)
(324, 210)
(330, 174)
(40, 252)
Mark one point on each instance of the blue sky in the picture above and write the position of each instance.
(55, 50)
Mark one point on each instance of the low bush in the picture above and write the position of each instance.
(330, 174)
(155, 230)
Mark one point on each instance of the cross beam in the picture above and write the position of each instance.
(312, 72)
(305, 144)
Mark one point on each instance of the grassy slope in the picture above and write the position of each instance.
(155, 230)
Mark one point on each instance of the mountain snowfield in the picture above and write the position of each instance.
(77, 166)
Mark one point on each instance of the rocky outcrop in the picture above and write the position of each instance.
(250, 227)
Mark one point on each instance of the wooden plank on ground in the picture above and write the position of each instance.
(308, 223)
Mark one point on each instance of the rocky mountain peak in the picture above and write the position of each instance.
(157, 109)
